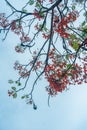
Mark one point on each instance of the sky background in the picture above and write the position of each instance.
(67, 111)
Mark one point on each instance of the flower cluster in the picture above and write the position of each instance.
(16, 27)
(23, 72)
(24, 38)
(46, 36)
(3, 21)
(37, 65)
(85, 72)
(37, 15)
(10, 93)
(59, 74)
(19, 49)
(62, 26)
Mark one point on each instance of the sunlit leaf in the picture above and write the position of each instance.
(75, 45)
(73, 36)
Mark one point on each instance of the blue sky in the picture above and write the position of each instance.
(67, 111)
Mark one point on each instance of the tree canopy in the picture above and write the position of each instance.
(54, 33)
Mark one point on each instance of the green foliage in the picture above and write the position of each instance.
(72, 36)
(18, 83)
(75, 42)
(73, 7)
(23, 97)
(69, 66)
(14, 88)
(85, 14)
(41, 13)
(84, 29)
(79, 1)
(83, 23)
(43, 28)
(24, 10)
(38, 5)
(31, 2)
(75, 45)
(70, 74)
(15, 95)
(67, 57)
(52, 21)
(10, 81)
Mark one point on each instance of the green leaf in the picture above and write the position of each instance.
(15, 95)
(75, 45)
(18, 83)
(84, 29)
(38, 5)
(85, 14)
(27, 96)
(31, 2)
(67, 57)
(10, 81)
(73, 36)
(70, 74)
(14, 88)
(24, 10)
(43, 27)
(41, 13)
(69, 66)
(83, 23)
(22, 97)
(73, 7)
